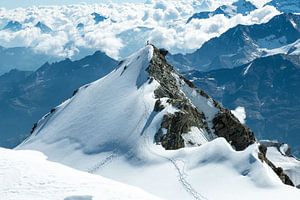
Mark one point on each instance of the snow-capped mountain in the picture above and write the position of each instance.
(145, 125)
(243, 7)
(43, 27)
(98, 18)
(268, 89)
(13, 26)
(26, 96)
(28, 175)
(242, 44)
(287, 6)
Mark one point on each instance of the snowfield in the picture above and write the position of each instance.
(28, 175)
(108, 128)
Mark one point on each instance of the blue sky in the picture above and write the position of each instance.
(26, 3)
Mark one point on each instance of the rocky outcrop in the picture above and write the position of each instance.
(228, 126)
(188, 115)
(278, 170)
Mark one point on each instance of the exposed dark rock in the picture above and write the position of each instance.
(52, 110)
(188, 82)
(164, 52)
(262, 155)
(228, 126)
(158, 106)
(180, 122)
(33, 128)
(188, 116)
(75, 92)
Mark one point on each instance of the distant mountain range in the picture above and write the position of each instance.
(22, 58)
(240, 7)
(27, 96)
(268, 88)
(242, 44)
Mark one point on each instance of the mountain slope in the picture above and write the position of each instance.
(43, 27)
(125, 125)
(287, 6)
(28, 175)
(242, 44)
(26, 98)
(268, 88)
(13, 26)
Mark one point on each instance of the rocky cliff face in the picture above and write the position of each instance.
(214, 122)
(222, 123)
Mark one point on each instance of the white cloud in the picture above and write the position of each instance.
(166, 22)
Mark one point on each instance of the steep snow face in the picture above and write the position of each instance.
(104, 113)
(28, 175)
(109, 128)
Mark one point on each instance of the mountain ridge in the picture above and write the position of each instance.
(139, 98)
(250, 42)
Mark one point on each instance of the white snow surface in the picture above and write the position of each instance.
(28, 175)
(290, 165)
(108, 128)
(240, 112)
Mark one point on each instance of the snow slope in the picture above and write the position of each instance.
(289, 164)
(290, 49)
(28, 175)
(108, 128)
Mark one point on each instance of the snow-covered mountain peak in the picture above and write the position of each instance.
(131, 118)
(43, 27)
(144, 87)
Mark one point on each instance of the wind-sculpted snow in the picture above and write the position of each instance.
(109, 126)
(71, 29)
(28, 175)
